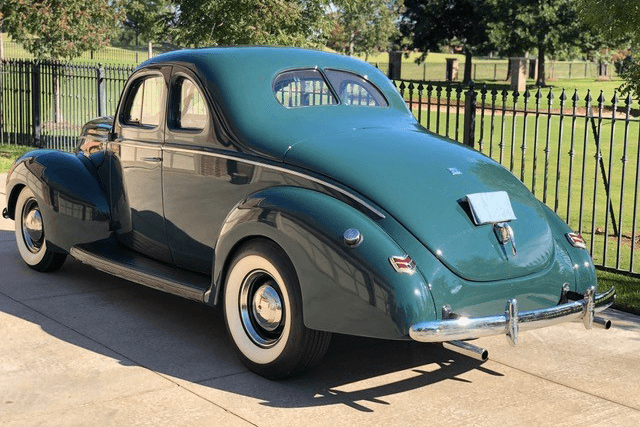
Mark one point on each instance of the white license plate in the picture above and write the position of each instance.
(489, 208)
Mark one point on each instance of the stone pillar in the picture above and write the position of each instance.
(395, 65)
(533, 69)
(603, 70)
(452, 70)
(519, 74)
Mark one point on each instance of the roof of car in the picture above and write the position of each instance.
(240, 80)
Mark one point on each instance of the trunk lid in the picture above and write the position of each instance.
(406, 173)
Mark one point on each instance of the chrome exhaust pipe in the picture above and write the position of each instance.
(601, 322)
(467, 349)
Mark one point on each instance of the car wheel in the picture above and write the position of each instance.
(30, 235)
(263, 313)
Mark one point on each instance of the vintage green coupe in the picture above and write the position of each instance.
(295, 189)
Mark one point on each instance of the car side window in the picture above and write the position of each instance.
(189, 110)
(352, 89)
(144, 107)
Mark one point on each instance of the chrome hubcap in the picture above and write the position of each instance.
(32, 228)
(261, 309)
(267, 308)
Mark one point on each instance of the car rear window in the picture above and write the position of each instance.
(353, 89)
(302, 88)
(307, 88)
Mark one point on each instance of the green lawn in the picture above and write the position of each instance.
(8, 153)
(628, 289)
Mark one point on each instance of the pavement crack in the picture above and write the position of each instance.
(76, 293)
(221, 376)
(205, 398)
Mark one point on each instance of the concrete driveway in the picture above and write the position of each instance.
(80, 347)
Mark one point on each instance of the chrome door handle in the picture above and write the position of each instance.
(151, 159)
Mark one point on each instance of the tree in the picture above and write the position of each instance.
(618, 19)
(364, 26)
(229, 22)
(433, 23)
(550, 26)
(148, 19)
(59, 29)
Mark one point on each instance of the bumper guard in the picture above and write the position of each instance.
(513, 321)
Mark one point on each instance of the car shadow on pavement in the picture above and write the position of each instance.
(357, 370)
(187, 341)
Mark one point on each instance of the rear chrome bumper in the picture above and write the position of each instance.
(513, 321)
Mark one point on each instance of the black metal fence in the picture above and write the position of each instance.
(578, 153)
(46, 104)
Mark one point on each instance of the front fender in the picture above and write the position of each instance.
(344, 289)
(72, 200)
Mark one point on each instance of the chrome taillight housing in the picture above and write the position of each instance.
(576, 240)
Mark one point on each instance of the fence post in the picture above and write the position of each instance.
(470, 116)
(102, 96)
(36, 128)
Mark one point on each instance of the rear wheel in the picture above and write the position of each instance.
(263, 313)
(30, 235)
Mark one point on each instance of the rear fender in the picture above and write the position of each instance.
(350, 290)
(72, 200)
(585, 272)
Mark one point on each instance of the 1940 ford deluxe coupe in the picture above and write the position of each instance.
(295, 189)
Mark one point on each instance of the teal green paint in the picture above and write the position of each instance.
(240, 79)
(581, 262)
(405, 172)
(347, 290)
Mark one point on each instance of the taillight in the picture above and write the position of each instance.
(576, 240)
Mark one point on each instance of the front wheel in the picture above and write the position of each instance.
(30, 235)
(263, 313)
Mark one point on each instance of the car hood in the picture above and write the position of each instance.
(407, 174)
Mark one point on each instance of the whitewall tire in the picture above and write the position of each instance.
(30, 235)
(263, 313)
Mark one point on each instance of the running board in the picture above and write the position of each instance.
(123, 262)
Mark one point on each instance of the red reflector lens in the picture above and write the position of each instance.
(403, 264)
(576, 240)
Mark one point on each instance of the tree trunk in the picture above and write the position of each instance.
(467, 67)
(351, 43)
(541, 80)
(508, 70)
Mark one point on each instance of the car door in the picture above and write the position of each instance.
(201, 183)
(136, 195)
(189, 197)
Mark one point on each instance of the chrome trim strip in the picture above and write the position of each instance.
(463, 328)
(151, 159)
(281, 169)
(138, 144)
